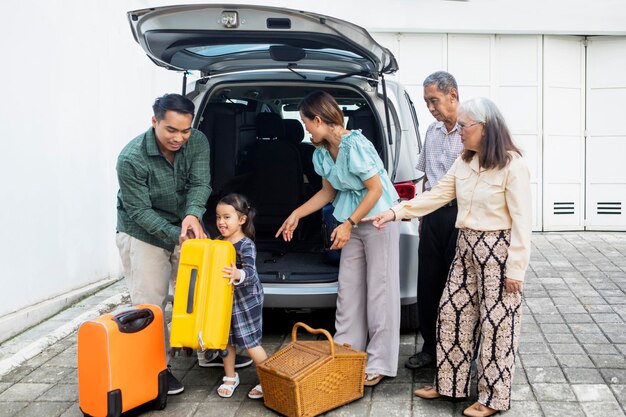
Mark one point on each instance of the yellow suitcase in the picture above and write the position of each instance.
(203, 300)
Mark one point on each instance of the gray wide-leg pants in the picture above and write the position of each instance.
(368, 303)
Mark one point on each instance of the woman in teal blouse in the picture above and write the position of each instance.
(355, 180)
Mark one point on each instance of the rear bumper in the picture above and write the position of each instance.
(300, 295)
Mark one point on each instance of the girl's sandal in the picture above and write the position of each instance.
(229, 388)
(258, 394)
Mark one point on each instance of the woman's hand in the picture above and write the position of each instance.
(340, 235)
(381, 218)
(231, 273)
(511, 285)
(288, 227)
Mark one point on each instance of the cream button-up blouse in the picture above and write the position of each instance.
(488, 200)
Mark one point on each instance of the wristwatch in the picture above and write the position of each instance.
(354, 225)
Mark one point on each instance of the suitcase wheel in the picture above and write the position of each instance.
(160, 402)
(224, 353)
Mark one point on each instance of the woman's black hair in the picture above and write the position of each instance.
(241, 206)
(322, 104)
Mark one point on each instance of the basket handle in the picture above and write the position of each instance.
(313, 331)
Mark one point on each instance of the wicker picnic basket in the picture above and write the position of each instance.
(307, 378)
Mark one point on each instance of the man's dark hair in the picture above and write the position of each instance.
(443, 80)
(172, 102)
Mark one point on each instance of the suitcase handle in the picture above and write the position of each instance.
(192, 289)
(134, 321)
(313, 331)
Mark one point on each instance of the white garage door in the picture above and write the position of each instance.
(505, 68)
(563, 102)
(606, 133)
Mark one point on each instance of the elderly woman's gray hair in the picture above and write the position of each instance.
(497, 142)
(482, 109)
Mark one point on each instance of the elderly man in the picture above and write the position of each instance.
(442, 145)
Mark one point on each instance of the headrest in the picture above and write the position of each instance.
(269, 125)
(294, 132)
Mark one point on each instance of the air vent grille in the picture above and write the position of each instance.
(609, 207)
(564, 207)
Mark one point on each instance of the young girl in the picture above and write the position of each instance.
(234, 218)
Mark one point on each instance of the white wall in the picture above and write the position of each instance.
(76, 87)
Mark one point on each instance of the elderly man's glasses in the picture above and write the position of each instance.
(462, 126)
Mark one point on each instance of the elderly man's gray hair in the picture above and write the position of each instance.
(443, 80)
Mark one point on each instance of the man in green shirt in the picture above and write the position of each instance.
(164, 183)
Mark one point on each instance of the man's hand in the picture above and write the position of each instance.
(381, 218)
(231, 273)
(512, 285)
(191, 229)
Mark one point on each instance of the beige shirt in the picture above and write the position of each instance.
(488, 200)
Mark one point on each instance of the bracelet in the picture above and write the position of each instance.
(354, 225)
(394, 214)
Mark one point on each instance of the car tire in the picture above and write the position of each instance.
(409, 319)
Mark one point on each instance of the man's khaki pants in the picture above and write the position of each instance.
(148, 270)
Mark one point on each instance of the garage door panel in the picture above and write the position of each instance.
(564, 61)
(518, 60)
(519, 107)
(606, 204)
(471, 91)
(564, 148)
(605, 159)
(606, 135)
(563, 202)
(528, 146)
(605, 107)
(469, 58)
(563, 141)
(563, 113)
(606, 62)
(421, 55)
(535, 192)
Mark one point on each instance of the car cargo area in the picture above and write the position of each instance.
(259, 149)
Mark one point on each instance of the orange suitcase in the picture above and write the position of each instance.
(203, 300)
(121, 362)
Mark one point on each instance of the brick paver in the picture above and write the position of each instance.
(571, 359)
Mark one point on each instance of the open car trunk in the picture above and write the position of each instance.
(259, 149)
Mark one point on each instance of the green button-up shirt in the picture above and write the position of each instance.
(155, 195)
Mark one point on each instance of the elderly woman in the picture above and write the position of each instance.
(355, 180)
(483, 294)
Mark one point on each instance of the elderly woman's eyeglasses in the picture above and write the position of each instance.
(462, 126)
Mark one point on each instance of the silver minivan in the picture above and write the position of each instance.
(255, 65)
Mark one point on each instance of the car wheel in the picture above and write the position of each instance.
(409, 319)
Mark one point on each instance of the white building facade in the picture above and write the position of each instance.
(76, 88)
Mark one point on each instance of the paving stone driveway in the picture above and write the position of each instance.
(571, 359)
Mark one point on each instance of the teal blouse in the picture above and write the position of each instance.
(357, 161)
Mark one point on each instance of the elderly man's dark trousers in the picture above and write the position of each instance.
(436, 253)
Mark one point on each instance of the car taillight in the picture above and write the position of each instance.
(406, 190)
